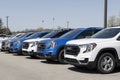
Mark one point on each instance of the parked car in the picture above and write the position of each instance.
(102, 51)
(2, 38)
(30, 45)
(53, 49)
(16, 45)
(6, 42)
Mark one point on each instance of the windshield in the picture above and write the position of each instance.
(32, 35)
(107, 33)
(18, 35)
(13, 35)
(50, 35)
(70, 34)
(22, 35)
(29, 34)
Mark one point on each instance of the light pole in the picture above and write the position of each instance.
(53, 22)
(7, 21)
(68, 24)
(105, 13)
(43, 23)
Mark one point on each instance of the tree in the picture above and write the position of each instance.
(112, 21)
(1, 23)
(118, 20)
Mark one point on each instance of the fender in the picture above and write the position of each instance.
(110, 49)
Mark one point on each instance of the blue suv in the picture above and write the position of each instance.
(31, 50)
(16, 44)
(53, 49)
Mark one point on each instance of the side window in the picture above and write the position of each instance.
(85, 34)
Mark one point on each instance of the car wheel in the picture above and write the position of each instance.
(106, 63)
(33, 56)
(19, 53)
(61, 56)
(9, 51)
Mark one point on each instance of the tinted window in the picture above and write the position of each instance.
(85, 34)
(60, 34)
(37, 34)
(55, 34)
(41, 35)
(52, 34)
(70, 34)
(23, 35)
(107, 33)
(18, 35)
(29, 34)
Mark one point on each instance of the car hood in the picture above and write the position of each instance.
(87, 41)
(37, 39)
(17, 39)
(58, 40)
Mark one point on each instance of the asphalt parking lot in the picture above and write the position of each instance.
(13, 67)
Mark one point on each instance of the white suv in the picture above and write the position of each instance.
(30, 45)
(102, 51)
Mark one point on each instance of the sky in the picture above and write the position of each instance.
(32, 14)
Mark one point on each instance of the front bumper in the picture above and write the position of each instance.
(47, 55)
(81, 63)
(14, 49)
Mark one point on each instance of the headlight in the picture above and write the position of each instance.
(17, 43)
(88, 47)
(32, 44)
(51, 45)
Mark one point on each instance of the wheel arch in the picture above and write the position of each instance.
(62, 47)
(110, 50)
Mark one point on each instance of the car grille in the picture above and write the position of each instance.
(3, 43)
(72, 50)
(11, 43)
(41, 46)
(25, 45)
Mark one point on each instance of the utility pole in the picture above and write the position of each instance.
(105, 13)
(68, 24)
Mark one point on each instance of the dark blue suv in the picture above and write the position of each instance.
(53, 49)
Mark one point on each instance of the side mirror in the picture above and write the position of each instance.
(118, 38)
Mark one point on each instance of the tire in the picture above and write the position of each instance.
(32, 56)
(9, 51)
(61, 56)
(19, 52)
(106, 63)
